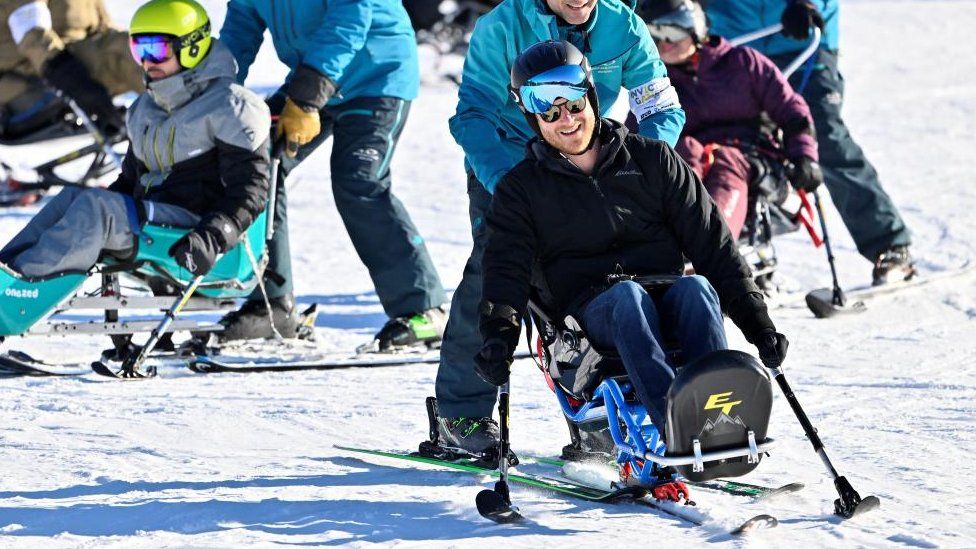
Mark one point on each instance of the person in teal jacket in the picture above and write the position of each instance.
(353, 75)
(493, 133)
(871, 217)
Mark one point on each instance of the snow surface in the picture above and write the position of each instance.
(192, 460)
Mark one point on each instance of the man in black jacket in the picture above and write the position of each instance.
(591, 200)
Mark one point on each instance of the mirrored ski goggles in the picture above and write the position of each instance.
(667, 33)
(540, 93)
(155, 48)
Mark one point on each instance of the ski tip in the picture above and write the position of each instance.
(758, 522)
(821, 304)
(866, 505)
(494, 507)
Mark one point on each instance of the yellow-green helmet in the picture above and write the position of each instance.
(185, 20)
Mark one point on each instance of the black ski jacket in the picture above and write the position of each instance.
(561, 232)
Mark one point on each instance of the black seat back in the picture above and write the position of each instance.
(717, 400)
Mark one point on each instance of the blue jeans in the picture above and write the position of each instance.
(624, 317)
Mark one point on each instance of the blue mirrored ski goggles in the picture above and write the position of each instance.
(540, 93)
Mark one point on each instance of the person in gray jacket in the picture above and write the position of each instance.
(198, 157)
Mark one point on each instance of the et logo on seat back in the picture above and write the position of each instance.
(721, 401)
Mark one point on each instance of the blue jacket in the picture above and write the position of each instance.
(367, 47)
(489, 126)
(733, 18)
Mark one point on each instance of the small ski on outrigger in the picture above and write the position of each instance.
(830, 302)
(834, 301)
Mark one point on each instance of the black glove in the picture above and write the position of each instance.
(772, 347)
(494, 362)
(310, 89)
(500, 329)
(798, 17)
(806, 175)
(66, 73)
(196, 252)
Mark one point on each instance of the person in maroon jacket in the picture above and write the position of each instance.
(735, 100)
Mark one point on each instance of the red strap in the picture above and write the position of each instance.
(806, 218)
(671, 491)
(708, 158)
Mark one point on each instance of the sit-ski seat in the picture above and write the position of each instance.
(717, 415)
(232, 276)
(26, 301)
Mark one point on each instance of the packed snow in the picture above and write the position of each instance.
(227, 460)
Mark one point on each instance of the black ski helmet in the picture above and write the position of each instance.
(686, 15)
(542, 57)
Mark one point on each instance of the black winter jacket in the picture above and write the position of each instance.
(562, 232)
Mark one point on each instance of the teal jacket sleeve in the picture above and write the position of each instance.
(242, 33)
(481, 98)
(653, 99)
(340, 36)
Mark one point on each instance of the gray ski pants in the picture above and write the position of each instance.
(77, 225)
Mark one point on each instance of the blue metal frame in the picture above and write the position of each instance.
(608, 402)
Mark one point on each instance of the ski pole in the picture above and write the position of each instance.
(849, 502)
(496, 504)
(132, 364)
(837, 298)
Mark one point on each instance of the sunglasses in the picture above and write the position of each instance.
(555, 111)
(667, 33)
(155, 48)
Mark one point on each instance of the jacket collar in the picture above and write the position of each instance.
(177, 90)
(612, 135)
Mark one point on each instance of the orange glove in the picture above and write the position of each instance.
(298, 125)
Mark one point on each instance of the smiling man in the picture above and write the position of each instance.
(493, 132)
(636, 208)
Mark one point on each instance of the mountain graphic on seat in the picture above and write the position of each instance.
(723, 425)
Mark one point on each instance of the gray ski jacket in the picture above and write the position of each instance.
(200, 141)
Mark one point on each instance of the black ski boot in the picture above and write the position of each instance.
(403, 332)
(474, 435)
(893, 265)
(251, 320)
